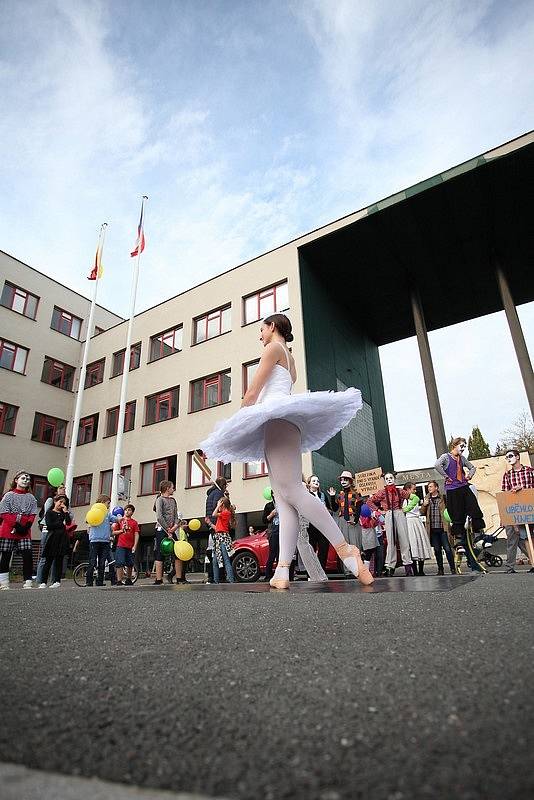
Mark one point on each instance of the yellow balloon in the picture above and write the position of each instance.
(95, 516)
(194, 524)
(183, 551)
(101, 507)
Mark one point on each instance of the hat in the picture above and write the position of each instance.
(346, 474)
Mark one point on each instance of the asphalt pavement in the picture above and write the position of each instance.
(246, 694)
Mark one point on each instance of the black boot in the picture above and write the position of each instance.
(421, 567)
(415, 568)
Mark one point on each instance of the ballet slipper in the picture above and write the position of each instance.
(279, 583)
(349, 551)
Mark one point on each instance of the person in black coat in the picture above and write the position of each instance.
(57, 543)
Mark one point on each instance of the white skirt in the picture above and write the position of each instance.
(418, 538)
(318, 416)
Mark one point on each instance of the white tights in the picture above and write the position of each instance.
(284, 463)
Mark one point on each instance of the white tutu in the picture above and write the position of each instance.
(318, 416)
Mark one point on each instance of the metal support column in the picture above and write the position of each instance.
(434, 407)
(516, 333)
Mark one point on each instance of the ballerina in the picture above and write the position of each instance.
(277, 427)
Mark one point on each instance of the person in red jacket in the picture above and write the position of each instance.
(18, 509)
(390, 500)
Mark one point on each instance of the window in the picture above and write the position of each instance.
(162, 406)
(97, 332)
(19, 300)
(66, 323)
(81, 490)
(106, 479)
(41, 489)
(212, 391)
(195, 476)
(49, 430)
(165, 344)
(117, 366)
(13, 357)
(8, 417)
(259, 305)
(112, 420)
(94, 373)
(3, 479)
(56, 373)
(153, 472)
(212, 324)
(249, 370)
(88, 429)
(255, 469)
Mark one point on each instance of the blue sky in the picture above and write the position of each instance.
(247, 124)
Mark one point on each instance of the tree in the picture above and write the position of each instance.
(478, 446)
(519, 436)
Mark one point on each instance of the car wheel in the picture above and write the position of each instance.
(246, 567)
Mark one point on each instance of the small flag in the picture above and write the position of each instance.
(200, 461)
(98, 269)
(140, 241)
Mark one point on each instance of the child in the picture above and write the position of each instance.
(369, 538)
(222, 543)
(99, 539)
(126, 545)
(57, 540)
(417, 535)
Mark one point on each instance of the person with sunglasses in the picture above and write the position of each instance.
(518, 477)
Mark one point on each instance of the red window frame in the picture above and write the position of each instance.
(66, 316)
(205, 319)
(161, 398)
(245, 373)
(4, 409)
(221, 472)
(262, 474)
(5, 344)
(129, 419)
(135, 350)
(109, 476)
(83, 483)
(64, 371)
(167, 337)
(156, 467)
(46, 421)
(96, 368)
(262, 295)
(89, 423)
(22, 293)
(212, 380)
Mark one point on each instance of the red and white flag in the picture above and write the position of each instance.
(140, 241)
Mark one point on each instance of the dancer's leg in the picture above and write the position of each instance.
(283, 455)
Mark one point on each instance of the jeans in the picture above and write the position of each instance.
(439, 540)
(227, 565)
(274, 549)
(42, 560)
(98, 553)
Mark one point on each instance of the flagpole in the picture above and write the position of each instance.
(126, 370)
(81, 379)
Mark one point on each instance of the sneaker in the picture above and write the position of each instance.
(460, 549)
(157, 583)
(55, 585)
(27, 585)
(43, 586)
(440, 572)
(511, 571)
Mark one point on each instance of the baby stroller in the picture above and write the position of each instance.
(484, 543)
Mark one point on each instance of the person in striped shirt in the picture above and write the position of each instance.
(518, 477)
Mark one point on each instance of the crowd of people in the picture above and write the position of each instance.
(393, 527)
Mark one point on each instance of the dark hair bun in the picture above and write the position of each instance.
(282, 325)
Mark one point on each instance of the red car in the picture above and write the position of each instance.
(252, 552)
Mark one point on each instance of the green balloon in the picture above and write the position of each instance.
(268, 493)
(167, 546)
(55, 477)
(447, 517)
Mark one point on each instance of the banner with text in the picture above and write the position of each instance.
(370, 481)
(516, 508)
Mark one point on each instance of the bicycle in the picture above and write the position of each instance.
(80, 573)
